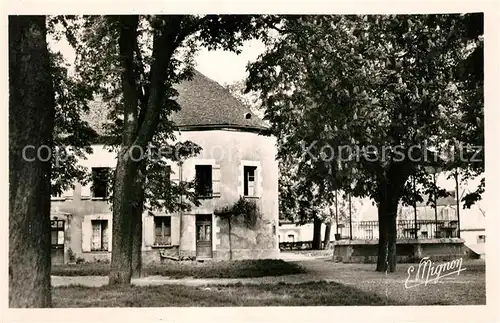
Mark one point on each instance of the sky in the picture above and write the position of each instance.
(221, 66)
(228, 67)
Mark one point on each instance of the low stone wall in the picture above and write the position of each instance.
(311, 253)
(96, 256)
(241, 254)
(411, 250)
(151, 256)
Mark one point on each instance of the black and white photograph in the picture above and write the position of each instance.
(172, 160)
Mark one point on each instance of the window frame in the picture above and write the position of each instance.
(208, 189)
(59, 227)
(105, 182)
(101, 238)
(247, 170)
(162, 220)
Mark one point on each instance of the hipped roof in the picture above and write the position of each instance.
(205, 104)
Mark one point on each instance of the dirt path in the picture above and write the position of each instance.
(318, 269)
(97, 281)
(467, 288)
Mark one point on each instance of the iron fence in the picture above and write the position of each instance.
(298, 245)
(368, 230)
(406, 229)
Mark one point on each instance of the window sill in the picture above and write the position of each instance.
(99, 198)
(159, 246)
(99, 250)
(253, 197)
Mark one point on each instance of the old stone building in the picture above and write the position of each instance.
(236, 160)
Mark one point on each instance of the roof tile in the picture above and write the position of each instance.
(204, 103)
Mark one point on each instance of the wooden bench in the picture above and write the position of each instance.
(164, 255)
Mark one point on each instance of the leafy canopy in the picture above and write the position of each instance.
(357, 102)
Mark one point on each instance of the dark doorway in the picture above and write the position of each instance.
(204, 236)
(57, 241)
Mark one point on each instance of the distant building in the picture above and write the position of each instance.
(365, 221)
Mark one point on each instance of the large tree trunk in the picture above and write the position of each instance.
(383, 238)
(124, 194)
(137, 134)
(387, 215)
(316, 243)
(137, 243)
(392, 213)
(391, 243)
(31, 122)
(137, 223)
(328, 231)
(230, 233)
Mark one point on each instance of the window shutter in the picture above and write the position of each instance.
(216, 180)
(149, 230)
(110, 233)
(86, 234)
(175, 229)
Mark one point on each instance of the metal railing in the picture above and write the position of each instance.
(298, 245)
(406, 229)
(368, 230)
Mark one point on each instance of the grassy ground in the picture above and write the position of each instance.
(306, 294)
(468, 288)
(341, 284)
(209, 269)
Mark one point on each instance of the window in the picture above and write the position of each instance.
(424, 234)
(100, 178)
(204, 180)
(57, 232)
(99, 235)
(369, 234)
(291, 238)
(162, 230)
(249, 173)
(481, 238)
(445, 213)
(204, 232)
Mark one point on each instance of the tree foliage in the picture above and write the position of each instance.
(249, 99)
(361, 103)
(132, 64)
(72, 135)
(247, 209)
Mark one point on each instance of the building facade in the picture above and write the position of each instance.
(236, 161)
